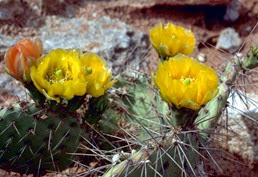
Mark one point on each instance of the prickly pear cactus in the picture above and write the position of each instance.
(164, 150)
(162, 128)
(44, 135)
(134, 101)
(34, 140)
(175, 149)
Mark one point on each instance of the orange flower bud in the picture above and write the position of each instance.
(20, 57)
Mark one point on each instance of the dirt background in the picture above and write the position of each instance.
(204, 18)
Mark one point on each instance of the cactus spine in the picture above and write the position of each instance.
(44, 135)
(35, 139)
(177, 152)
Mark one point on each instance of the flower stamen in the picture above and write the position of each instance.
(57, 76)
(89, 70)
(187, 80)
(59, 73)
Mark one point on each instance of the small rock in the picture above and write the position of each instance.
(201, 57)
(115, 158)
(232, 13)
(239, 55)
(229, 40)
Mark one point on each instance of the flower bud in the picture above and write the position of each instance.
(20, 57)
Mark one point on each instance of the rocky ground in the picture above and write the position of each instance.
(118, 30)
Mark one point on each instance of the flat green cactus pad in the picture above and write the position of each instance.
(33, 140)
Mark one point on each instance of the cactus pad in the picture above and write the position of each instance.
(34, 140)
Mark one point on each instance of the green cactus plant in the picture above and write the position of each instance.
(134, 100)
(252, 60)
(34, 140)
(46, 135)
(150, 115)
(177, 152)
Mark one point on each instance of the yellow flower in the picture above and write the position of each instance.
(171, 40)
(99, 77)
(60, 74)
(185, 82)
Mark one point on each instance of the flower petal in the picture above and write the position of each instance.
(201, 87)
(60, 74)
(172, 39)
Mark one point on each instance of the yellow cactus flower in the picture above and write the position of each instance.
(99, 77)
(60, 74)
(185, 82)
(172, 39)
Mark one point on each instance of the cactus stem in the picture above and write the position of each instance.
(182, 117)
(252, 58)
(158, 157)
(207, 121)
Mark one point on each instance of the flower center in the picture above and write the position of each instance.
(57, 75)
(89, 70)
(186, 81)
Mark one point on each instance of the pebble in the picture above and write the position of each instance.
(229, 40)
(201, 57)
